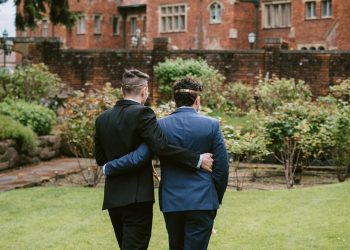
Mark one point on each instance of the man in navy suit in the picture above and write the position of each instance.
(188, 199)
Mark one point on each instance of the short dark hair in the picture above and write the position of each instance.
(133, 80)
(186, 91)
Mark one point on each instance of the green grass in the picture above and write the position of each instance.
(71, 218)
(240, 121)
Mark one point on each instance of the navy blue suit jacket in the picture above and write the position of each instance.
(182, 189)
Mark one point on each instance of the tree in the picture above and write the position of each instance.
(33, 11)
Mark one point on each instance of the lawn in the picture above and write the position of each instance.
(71, 218)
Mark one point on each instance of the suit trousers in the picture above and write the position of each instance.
(132, 225)
(189, 230)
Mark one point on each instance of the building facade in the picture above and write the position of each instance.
(205, 24)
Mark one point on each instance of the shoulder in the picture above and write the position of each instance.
(209, 119)
(103, 115)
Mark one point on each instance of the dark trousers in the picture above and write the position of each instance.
(189, 230)
(132, 225)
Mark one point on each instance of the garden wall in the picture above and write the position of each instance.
(319, 69)
(11, 155)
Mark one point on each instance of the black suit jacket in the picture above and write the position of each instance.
(122, 129)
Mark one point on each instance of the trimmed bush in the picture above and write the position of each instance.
(239, 97)
(274, 93)
(11, 129)
(166, 73)
(35, 116)
(32, 83)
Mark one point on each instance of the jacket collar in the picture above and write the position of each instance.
(126, 102)
(185, 109)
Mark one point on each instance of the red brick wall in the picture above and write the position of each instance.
(200, 33)
(77, 67)
(332, 32)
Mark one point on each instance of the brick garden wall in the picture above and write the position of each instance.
(76, 67)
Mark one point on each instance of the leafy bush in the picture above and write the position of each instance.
(32, 83)
(11, 129)
(273, 93)
(166, 73)
(78, 129)
(341, 91)
(240, 96)
(35, 116)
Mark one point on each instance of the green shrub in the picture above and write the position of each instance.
(341, 91)
(166, 73)
(32, 83)
(35, 116)
(11, 129)
(239, 96)
(78, 128)
(273, 93)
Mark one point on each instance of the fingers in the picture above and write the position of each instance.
(207, 162)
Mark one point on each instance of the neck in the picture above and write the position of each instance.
(133, 98)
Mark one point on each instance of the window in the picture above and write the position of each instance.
(115, 25)
(97, 24)
(310, 9)
(172, 18)
(215, 13)
(144, 24)
(81, 25)
(133, 25)
(326, 8)
(44, 28)
(277, 15)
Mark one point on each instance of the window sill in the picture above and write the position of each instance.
(169, 32)
(115, 34)
(212, 22)
(327, 17)
(97, 34)
(270, 28)
(311, 18)
(80, 34)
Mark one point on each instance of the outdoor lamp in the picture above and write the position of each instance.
(7, 46)
(134, 41)
(251, 39)
(143, 41)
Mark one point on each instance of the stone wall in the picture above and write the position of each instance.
(11, 155)
(319, 69)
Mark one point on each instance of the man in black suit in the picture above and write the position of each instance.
(129, 197)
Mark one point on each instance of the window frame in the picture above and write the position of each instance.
(98, 29)
(277, 15)
(81, 26)
(329, 8)
(217, 11)
(314, 4)
(45, 28)
(115, 31)
(177, 18)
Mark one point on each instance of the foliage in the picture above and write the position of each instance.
(11, 129)
(246, 145)
(5, 78)
(166, 73)
(239, 97)
(273, 93)
(341, 152)
(78, 129)
(32, 115)
(166, 109)
(341, 91)
(35, 10)
(32, 83)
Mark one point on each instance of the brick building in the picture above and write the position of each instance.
(100, 24)
(205, 24)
